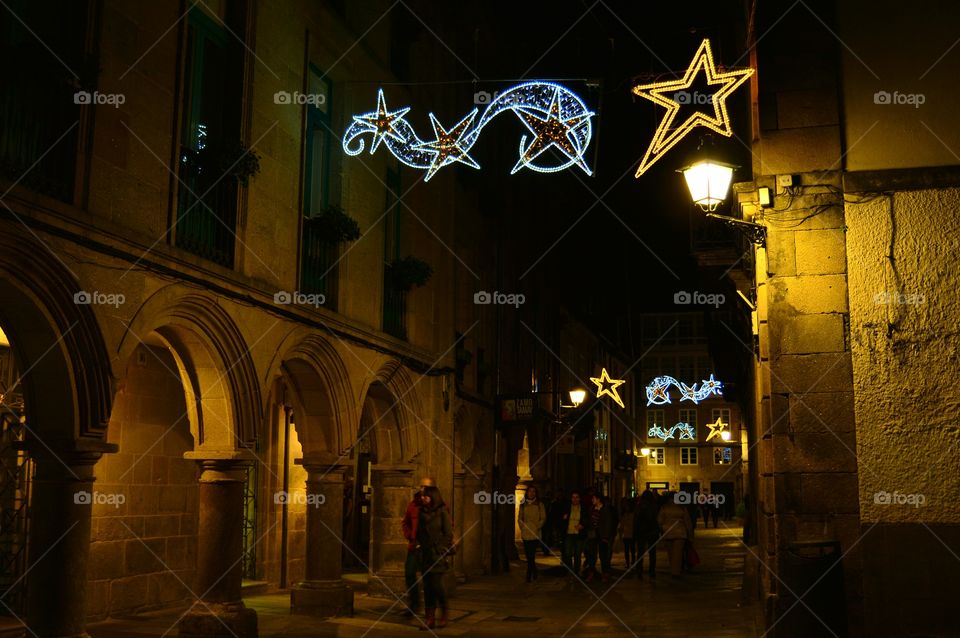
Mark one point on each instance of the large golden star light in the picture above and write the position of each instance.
(716, 429)
(607, 386)
(554, 130)
(666, 94)
(381, 121)
(446, 146)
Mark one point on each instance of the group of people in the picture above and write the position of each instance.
(428, 528)
(586, 526)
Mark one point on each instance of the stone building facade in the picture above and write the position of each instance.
(856, 315)
(195, 416)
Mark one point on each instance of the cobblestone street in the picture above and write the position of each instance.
(704, 602)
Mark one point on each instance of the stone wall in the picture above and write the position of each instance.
(143, 551)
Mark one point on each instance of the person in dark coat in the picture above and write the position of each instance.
(646, 531)
(602, 531)
(434, 545)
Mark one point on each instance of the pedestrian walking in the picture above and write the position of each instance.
(531, 518)
(434, 548)
(627, 530)
(411, 519)
(574, 534)
(646, 531)
(674, 520)
(603, 527)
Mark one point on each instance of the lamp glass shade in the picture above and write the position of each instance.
(577, 396)
(708, 181)
(725, 435)
(645, 451)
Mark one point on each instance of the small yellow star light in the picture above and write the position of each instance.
(716, 429)
(607, 386)
(446, 146)
(671, 95)
(381, 122)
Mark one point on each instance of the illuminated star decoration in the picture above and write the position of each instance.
(657, 390)
(380, 122)
(716, 429)
(670, 95)
(607, 386)
(555, 115)
(686, 432)
(552, 131)
(447, 145)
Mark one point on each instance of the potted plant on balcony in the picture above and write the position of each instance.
(334, 226)
(231, 159)
(406, 272)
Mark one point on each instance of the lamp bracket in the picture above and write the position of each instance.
(757, 233)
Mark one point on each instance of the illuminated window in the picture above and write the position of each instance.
(688, 456)
(689, 415)
(658, 456)
(722, 456)
(721, 413)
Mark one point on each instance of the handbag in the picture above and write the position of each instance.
(693, 558)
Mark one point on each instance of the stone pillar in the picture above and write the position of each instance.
(220, 611)
(392, 490)
(323, 592)
(459, 505)
(475, 529)
(59, 543)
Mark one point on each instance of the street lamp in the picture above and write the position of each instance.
(645, 451)
(577, 395)
(708, 181)
(725, 435)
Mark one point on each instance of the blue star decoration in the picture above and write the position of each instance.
(381, 122)
(446, 147)
(552, 131)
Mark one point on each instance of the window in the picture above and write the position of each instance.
(40, 102)
(687, 370)
(688, 456)
(394, 297)
(722, 456)
(654, 417)
(319, 257)
(689, 415)
(657, 456)
(721, 413)
(209, 142)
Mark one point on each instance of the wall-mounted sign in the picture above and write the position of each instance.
(674, 94)
(658, 391)
(516, 409)
(555, 117)
(607, 386)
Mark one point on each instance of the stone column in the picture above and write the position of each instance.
(459, 507)
(60, 542)
(323, 592)
(392, 490)
(220, 611)
(475, 529)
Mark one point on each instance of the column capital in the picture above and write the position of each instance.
(324, 467)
